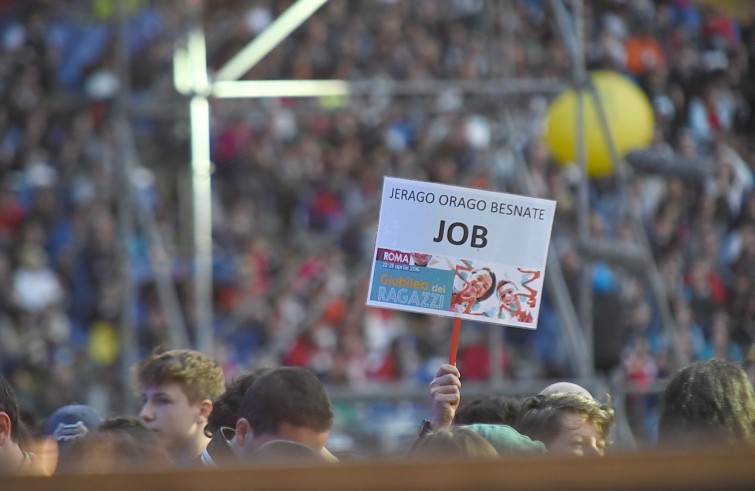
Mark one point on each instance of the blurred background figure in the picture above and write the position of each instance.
(452, 443)
(120, 444)
(709, 403)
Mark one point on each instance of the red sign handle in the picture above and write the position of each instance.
(454, 341)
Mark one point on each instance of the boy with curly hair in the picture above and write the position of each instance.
(177, 388)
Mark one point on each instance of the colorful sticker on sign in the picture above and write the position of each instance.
(451, 285)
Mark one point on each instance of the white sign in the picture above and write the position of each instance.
(461, 252)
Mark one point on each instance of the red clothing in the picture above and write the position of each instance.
(643, 54)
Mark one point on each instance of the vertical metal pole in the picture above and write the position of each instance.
(583, 215)
(554, 279)
(654, 276)
(201, 168)
(202, 190)
(127, 328)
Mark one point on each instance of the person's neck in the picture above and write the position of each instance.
(11, 457)
(187, 455)
(262, 439)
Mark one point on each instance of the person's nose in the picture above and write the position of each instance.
(594, 449)
(147, 413)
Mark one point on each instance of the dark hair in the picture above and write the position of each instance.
(225, 409)
(490, 290)
(114, 450)
(542, 416)
(708, 401)
(493, 410)
(28, 428)
(9, 405)
(290, 395)
(503, 282)
(129, 425)
(120, 443)
(453, 442)
(200, 377)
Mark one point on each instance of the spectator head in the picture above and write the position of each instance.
(566, 387)
(69, 423)
(749, 366)
(114, 446)
(286, 403)
(567, 422)
(10, 418)
(708, 402)
(11, 457)
(177, 389)
(130, 425)
(116, 450)
(492, 410)
(453, 442)
(225, 409)
(199, 376)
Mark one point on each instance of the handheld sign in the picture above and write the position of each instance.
(461, 252)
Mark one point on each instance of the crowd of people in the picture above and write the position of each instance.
(283, 416)
(296, 183)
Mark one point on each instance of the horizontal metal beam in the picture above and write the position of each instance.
(320, 88)
(280, 88)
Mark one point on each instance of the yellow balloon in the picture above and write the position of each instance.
(104, 344)
(630, 120)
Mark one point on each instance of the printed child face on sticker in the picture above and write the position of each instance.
(506, 293)
(421, 259)
(480, 283)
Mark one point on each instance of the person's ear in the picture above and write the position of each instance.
(5, 427)
(205, 408)
(244, 432)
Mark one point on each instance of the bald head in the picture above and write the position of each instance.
(566, 387)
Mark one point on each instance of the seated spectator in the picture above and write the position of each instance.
(121, 444)
(286, 452)
(69, 424)
(177, 389)
(507, 441)
(13, 460)
(223, 447)
(709, 402)
(32, 439)
(567, 423)
(566, 387)
(453, 442)
(445, 390)
(132, 426)
(288, 404)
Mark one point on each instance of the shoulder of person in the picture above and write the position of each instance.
(508, 441)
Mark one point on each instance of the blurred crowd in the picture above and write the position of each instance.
(296, 184)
